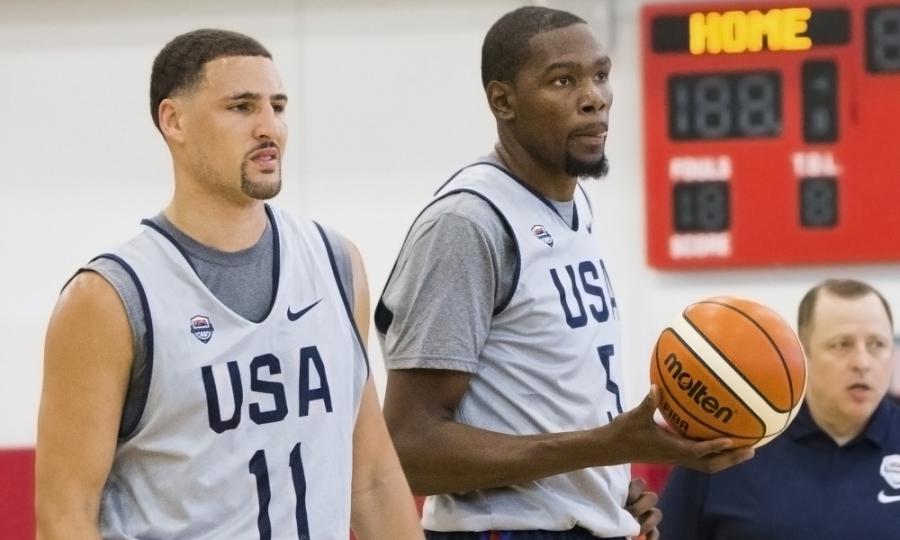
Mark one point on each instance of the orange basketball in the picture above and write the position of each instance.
(729, 367)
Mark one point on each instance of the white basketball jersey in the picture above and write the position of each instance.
(247, 429)
(551, 363)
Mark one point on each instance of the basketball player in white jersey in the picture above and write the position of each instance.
(500, 326)
(208, 379)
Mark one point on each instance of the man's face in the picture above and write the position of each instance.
(850, 351)
(234, 127)
(562, 101)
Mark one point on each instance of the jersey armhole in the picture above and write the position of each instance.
(343, 293)
(384, 316)
(509, 230)
(276, 252)
(137, 393)
(587, 199)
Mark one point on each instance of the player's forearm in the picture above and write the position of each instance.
(68, 531)
(384, 508)
(58, 524)
(450, 457)
(65, 508)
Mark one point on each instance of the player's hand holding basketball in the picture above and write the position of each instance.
(647, 442)
(729, 367)
(727, 373)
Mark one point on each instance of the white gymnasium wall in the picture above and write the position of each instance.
(385, 103)
(81, 158)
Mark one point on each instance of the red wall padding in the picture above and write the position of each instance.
(654, 474)
(17, 494)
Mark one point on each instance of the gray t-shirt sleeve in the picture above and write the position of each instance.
(458, 265)
(124, 285)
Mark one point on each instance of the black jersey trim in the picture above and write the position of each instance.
(454, 175)
(345, 301)
(127, 430)
(276, 260)
(509, 230)
(276, 256)
(165, 234)
(573, 226)
(586, 198)
(384, 317)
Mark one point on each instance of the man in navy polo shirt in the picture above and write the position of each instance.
(835, 472)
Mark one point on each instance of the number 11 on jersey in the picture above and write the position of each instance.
(260, 469)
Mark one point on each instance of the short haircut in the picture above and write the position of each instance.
(842, 288)
(180, 64)
(506, 46)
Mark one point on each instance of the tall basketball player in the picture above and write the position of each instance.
(501, 329)
(208, 378)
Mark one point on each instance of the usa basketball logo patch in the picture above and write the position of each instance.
(890, 470)
(201, 328)
(541, 233)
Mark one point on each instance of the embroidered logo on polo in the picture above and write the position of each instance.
(294, 315)
(202, 328)
(541, 233)
(890, 471)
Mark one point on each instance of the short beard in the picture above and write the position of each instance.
(259, 191)
(586, 169)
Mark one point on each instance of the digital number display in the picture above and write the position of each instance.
(769, 130)
(700, 206)
(818, 202)
(883, 39)
(725, 106)
(820, 113)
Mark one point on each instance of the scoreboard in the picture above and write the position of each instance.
(772, 133)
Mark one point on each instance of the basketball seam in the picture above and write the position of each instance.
(699, 359)
(736, 369)
(739, 377)
(722, 381)
(718, 378)
(774, 346)
(790, 418)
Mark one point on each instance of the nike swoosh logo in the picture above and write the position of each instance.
(884, 498)
(294, 315)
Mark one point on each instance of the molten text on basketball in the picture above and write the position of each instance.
(696, 390)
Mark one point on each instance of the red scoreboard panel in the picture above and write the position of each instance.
(772, 133)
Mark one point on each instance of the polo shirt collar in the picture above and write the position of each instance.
(879, 428)
(803, 425)
(877, 431)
